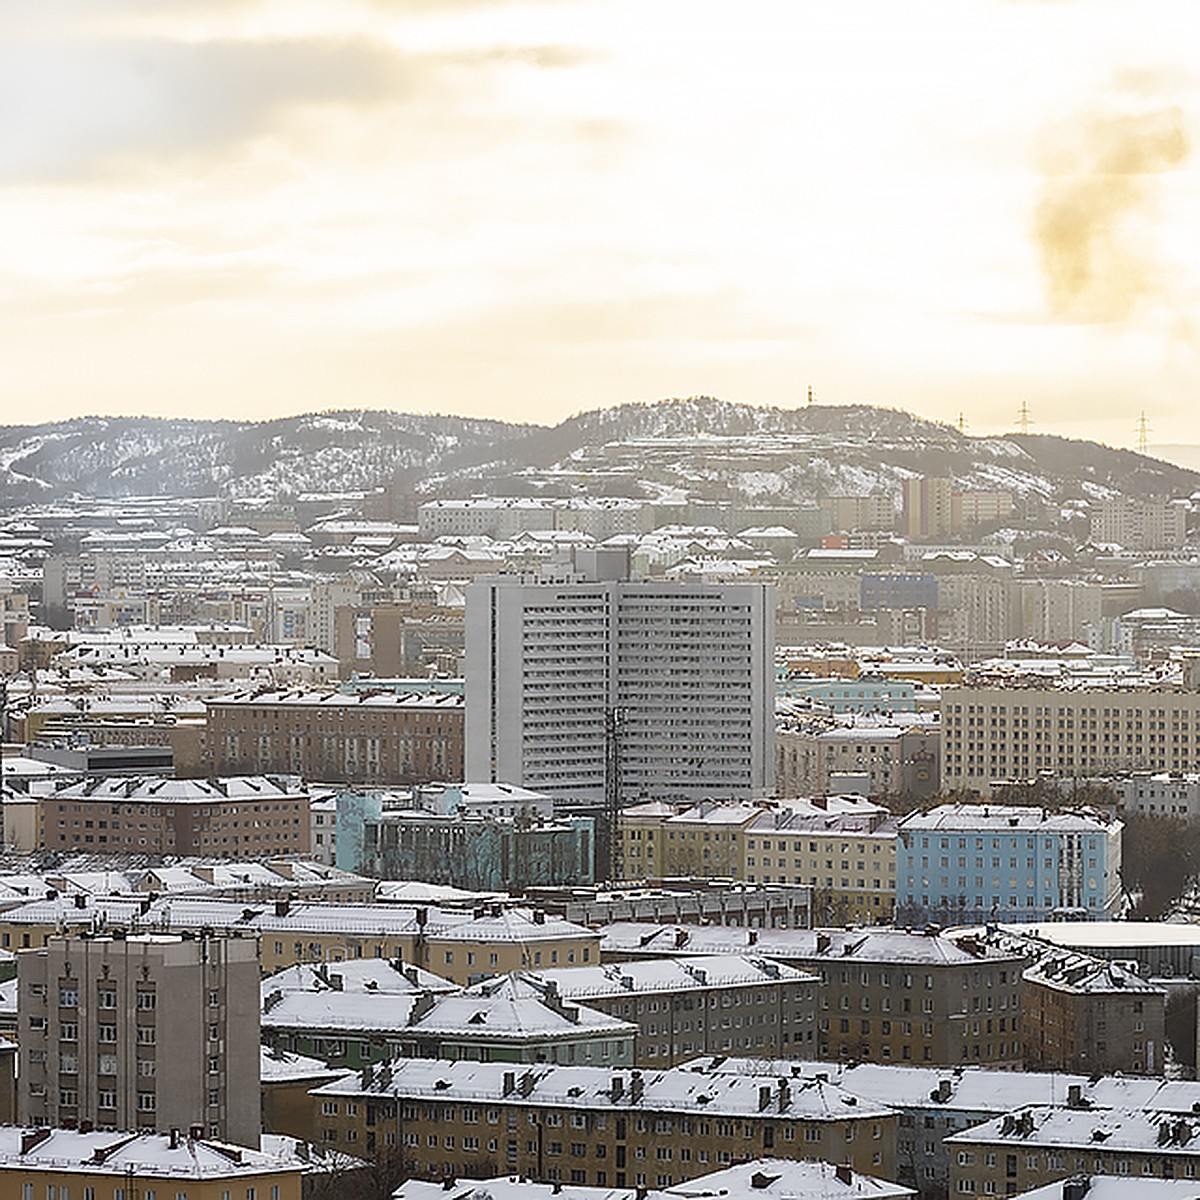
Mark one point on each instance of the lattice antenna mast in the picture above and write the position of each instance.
(612, 792)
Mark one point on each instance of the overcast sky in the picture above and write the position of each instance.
(232, 208)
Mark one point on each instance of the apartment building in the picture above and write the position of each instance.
(582, 671)
(884, 754)
(1038, 1145)
(148, 1031)
(344, 1012)
(926, 513)
(995, 734)
(367, 1012)
(841, 846)
(1082, 1014)
(373, 738)
(715, 1004)
(1140, 524)
(1161, 795)
(661, 840)
(887, 995)
(517, 1018)
(462, 946)
(237, 817)
(140, 1163)
(591, 1125)
(978, 863)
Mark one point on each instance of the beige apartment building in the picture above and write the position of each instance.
(462, 946)
(1140, 524)
(150, 1031)
(844, 847)
(891, 756)
(597, 1126)
(997, 734)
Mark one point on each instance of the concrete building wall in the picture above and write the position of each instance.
(145, 1032)
(992, 734)
(681, 675)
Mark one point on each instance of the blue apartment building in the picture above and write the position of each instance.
(981, 863)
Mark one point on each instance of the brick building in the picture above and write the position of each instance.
(366, 737)
(238, 817)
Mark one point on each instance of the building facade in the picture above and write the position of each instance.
(149, 1031)
(239, 817)
(575, 675)
(1082, 1014)
(720, 1004)
(976, 864)
(562, 1124)
(997, 734)
(365, 738)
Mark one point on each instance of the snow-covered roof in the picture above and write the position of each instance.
(994, 818)
(673, 1090)
(514, 1008)
(370, 976)
(974, 1091)
(143, 1155)
(808, 945)
(782, 1179)
(283, 1066)
(299, 698)
(698, 973)
(1086, 1128)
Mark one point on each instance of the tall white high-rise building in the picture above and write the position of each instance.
(581, 670)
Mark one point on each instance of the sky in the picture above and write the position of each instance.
(250, 208)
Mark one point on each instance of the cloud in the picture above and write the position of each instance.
(1096, 266)
(67, 109)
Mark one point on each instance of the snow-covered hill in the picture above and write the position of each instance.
(710, 447)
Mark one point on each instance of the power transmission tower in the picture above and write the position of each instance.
(811, 398)
(962, 423)
(1143, 433)
(1024, 420)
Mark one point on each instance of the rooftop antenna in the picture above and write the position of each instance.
(1024, 420)
(1143, 433)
